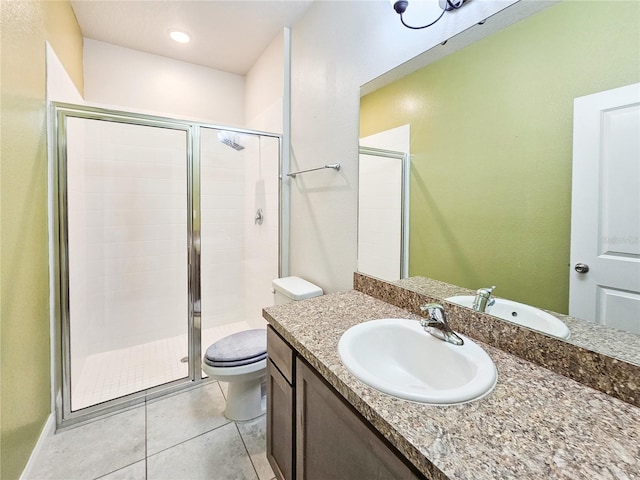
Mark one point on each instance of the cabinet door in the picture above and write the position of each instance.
(280, 418)
(334, 442)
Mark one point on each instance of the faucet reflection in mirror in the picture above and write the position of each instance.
(483, 301)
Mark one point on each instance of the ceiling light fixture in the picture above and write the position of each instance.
(179, 36)
(401, 6)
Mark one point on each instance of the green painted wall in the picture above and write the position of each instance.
(25, 390)
(491, 145)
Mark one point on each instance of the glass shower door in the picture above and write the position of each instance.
(127, 258)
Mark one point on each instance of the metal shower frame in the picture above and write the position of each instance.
(58, 115)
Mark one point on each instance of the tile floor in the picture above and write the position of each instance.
(184, 436)
(113, 374)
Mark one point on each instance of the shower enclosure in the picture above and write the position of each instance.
(167, 238)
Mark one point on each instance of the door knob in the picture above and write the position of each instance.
(581, 268)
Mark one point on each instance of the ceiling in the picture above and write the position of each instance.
(225, 35)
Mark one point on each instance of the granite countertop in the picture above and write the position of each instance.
(535, 424)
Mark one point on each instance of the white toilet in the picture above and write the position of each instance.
(241, 359)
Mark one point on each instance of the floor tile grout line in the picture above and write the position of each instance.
(116, 470)
(146, 435)
(187, 440)
(244, 444)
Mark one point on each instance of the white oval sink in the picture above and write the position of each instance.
(521, 314)
(397, 356)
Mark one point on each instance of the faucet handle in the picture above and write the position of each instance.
(437, 324)
(434, 310)
(486, 292)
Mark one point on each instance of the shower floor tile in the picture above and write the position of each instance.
(116, 373)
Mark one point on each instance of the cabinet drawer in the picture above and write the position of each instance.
(280, 353)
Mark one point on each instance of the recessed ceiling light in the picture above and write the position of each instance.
(178, 36)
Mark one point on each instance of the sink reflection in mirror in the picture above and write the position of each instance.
(398, 357)
(520, 314)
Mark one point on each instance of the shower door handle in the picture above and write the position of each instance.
(259, 218)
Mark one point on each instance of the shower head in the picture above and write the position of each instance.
(229, 140)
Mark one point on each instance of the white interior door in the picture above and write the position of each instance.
(605, 225)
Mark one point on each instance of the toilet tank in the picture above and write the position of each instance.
(292, 289)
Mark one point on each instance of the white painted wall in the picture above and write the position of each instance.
(60, 87)
(264, 89)
(263, 111)
(142, 82)
(396, 139)
(336, 47)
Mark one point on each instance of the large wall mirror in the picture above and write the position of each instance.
(491, 147)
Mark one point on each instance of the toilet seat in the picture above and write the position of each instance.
(241, 360)
(239, 373)
(241, 348)
(237, 363)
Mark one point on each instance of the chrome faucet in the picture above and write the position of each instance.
(483, 299)
(437, 324)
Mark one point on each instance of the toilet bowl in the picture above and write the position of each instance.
(244, 395)
(241, 359)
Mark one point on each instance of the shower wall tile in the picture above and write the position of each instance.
(261, 241)
(129, 238)
(135, 217)
(222, 202)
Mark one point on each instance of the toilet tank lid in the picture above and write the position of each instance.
(296, 288)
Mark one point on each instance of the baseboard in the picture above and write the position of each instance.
(48, 430)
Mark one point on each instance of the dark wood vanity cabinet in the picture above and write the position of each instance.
(280, 406)
(325, 439)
